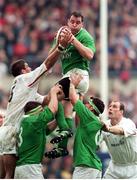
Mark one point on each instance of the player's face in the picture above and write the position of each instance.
(89, 106)
(75, 24)
(114, 111)
(27, 68)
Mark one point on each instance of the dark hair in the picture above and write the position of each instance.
(77, 14)
(17, 66)
(65, 83)
(31, 105)
(122, 107)
(99, 104)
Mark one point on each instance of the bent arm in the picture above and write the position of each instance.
(53, 103)
(83, 50)
(116, 130)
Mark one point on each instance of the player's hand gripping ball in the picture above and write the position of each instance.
(64, 35)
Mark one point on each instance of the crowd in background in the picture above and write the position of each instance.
(27, 28)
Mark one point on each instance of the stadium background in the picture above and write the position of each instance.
(27, 29)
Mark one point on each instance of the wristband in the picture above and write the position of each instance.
(61, 48)
(71, 39)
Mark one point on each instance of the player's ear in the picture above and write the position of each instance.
(23, 71)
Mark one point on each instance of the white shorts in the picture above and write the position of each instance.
(121, 171)
(8, 139)
(86, 173)
(83, 86)
(29, 171)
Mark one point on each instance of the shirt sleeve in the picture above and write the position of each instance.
(34, 76)
(89, 42)
(46, 116)
(39, 98)
(128, 127)
(85, 115)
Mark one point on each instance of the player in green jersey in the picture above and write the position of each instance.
(87, 163)
(64, 131)
(76, 53)
(32, 136)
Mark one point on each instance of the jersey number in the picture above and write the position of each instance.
(20, 140)
(98, 138)
(11, 92)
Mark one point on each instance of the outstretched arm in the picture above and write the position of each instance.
(74, 81)
(62, 39)
(116, 130)
(53, 103)
(113, 129)
(52, 58)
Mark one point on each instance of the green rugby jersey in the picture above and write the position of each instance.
(32, 137)
(87, 138)
(71, 58)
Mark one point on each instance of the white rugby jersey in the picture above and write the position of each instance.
(23, 90)
(123, 148)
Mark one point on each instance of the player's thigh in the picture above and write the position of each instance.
(30, 171)
(83, 86)
(9, 161)
(120, 171)
(68, 108)
(2, 171)
(86, 173)
(9, 140)
(112, 172)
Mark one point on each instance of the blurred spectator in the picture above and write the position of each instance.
(3, 63)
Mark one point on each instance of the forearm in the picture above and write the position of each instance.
(52, 58)
(53, 104)
(84, 51)
(46, 100)
(53, 49)
(116, 130)
(73, 96)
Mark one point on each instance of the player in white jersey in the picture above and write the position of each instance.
(121, 140)
(24, 89)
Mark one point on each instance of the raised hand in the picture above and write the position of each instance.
(65, 37)
(57, 89)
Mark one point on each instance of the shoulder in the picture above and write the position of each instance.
(128, 126)
(127, 121)
(20, 77)
(18, 80)
(84, 32)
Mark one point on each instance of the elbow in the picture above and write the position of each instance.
(55, 109)
(89, 55)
